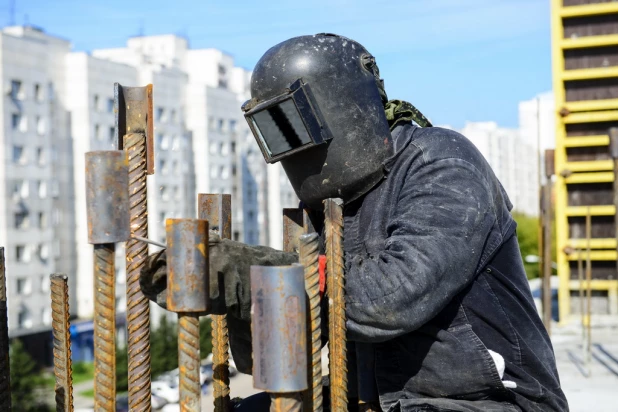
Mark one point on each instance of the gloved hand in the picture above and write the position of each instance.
(230, 286)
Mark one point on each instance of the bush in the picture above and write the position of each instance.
(25, 381)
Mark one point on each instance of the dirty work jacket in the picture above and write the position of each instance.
(435, 279)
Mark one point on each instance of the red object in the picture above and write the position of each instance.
(322, 270)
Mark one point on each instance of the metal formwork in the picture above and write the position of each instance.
(585, 76)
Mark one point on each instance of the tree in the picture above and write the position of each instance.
(528, 232)
(25, 380)
(205, 337)
(164, 347)
(122, 369)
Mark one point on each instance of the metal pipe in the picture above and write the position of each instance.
(217, 209)
(62, 342)
(588, 291)
(309, 255)
(279, 334)
(580, 278)
(149, 241)
(138, 309)
(188, 295)
(547, 240)
(107, 204)
(5, 364)
(333, 211)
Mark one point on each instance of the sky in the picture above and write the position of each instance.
(456, 60)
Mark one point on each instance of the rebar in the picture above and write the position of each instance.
(588, 290)
(580, 278)
(309, 254)
(104, 329)
(189, 361)
(285, 402)
(62, 342)
(217, 209)
(333, 212)
(5, 369)
(138, 310)
(547, 257)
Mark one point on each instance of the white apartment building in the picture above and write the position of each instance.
(537, 124)
(32, 143)
(513, 160)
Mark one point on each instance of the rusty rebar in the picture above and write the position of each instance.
(62, 342)
(189, 361)
(217, 209)
(286, 402)
(309, 255)
(333, 212)
(138, 310)
(5, 369)
(104, 329)
(588, 291)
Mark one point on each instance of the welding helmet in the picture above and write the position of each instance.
(316, 108)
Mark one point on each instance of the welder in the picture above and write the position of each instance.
(434, 277)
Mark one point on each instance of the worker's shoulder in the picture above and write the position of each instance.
(438, 143)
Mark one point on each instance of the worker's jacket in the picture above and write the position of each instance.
(435, 281)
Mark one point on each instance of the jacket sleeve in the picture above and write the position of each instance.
(432, 251)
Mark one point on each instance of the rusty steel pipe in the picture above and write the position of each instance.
(5, 364)
(333, 212)
(107, 205)
(188, 295)
(217, 209)
(279, 334)
(309, 254)
(138, 309)
(547, 240)
(62, 342)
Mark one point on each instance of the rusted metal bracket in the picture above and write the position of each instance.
(133, 107)
(296, 223)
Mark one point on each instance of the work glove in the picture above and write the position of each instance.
(230, 286)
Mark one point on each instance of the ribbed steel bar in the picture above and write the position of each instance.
(588, 292)
(5, 371)
(333, 212)
(104, 329)
(309, 254)
(189, 361)
(62, 342)
(580, 278)
(286, 402)
(217, 209)
(138, 311)
(547, 240)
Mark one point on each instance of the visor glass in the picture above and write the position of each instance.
(281, 128)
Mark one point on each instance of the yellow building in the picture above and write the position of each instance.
(585, 76)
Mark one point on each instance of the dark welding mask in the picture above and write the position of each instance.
(316, 108)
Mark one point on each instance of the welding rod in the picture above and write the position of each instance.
(279, 334)
(333, 211)
(107, 201)
(217, 209)
(188, 295)
(62, 342)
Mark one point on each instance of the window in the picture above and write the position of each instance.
(22, 220)
(46, 318)
(38, 92)
(233, 170)
(42, 220)
(161, 115)
(17, 91)
(19, 155)
(250, 215)
(97, 132)
(176, 143)
(174, 117)
(40, 125)
(222, 83)
(55, 188)
(176, 193)
(213, 148)
(110, 105)
(50, 91)
(96, 103)
(164, 193)
(44, 284)
(111, 133)
(236, 235)
(23, 124)
(232, 125)
(43, 252)
(175, 168)
(233, 147)
(213, 172)
(223, 149)
(222, 70)
(42, 189)
(164, 142)
(40, 156)
(220, 125)
(164, 169)
(211, 123)
(21, 189)
(223, 172)
(15, 120)
(24, 320)
(23, 287)
(22, 254)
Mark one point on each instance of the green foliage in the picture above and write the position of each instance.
(25, 381)
(205, 337)
(122, 368)
(528, 233)
(164, 347)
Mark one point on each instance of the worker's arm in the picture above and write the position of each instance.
(433, 249)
